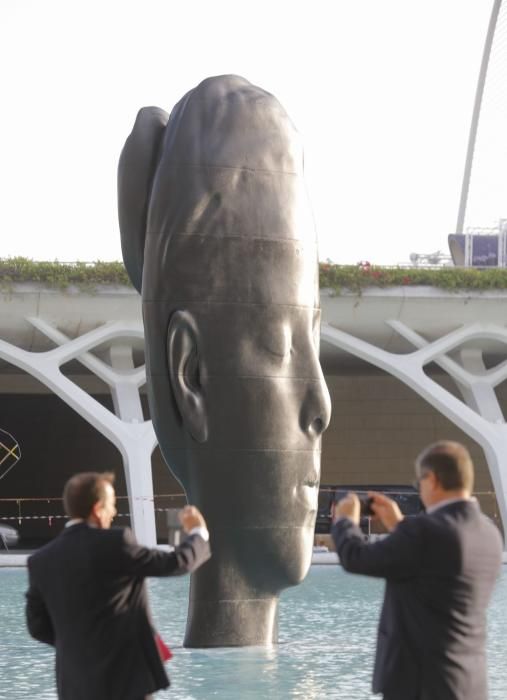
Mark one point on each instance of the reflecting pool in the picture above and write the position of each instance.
(327, 638)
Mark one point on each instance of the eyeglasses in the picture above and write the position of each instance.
(417, 482)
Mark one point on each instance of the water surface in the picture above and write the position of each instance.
(327, 639)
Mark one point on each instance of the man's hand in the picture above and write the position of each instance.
(191, 517)
(386, 510)
(349, 507)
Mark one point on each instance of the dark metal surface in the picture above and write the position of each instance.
(218, 235)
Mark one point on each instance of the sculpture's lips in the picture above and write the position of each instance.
(312, 480)
(307, 495)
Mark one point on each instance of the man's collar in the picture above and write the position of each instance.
(79, 521)
(447, 502)
(74, 521)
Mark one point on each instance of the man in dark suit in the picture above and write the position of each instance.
(87, 595)
(440, 569)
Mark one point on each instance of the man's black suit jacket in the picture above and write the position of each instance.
(87, 597)
(440, 570)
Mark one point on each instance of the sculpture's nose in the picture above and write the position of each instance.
(316, 409)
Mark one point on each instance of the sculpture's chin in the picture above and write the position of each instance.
(297, 555)
(275, 558)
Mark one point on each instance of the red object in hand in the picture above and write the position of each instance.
(163, 649)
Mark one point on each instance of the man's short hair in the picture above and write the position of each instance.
(82, 491)
(450, 462)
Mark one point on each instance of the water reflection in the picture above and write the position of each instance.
(327, 639)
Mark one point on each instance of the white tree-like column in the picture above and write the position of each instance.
(480, 416)
(127, 430)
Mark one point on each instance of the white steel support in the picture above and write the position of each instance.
(128, 407)
(469, 249)
(128, 431)
(481, 416)
(502, 248)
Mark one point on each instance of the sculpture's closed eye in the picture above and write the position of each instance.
(279, 341)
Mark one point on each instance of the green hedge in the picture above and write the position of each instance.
(355, 278)
(336, 277)
(60, 275)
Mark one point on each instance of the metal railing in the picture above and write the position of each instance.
(19, 510)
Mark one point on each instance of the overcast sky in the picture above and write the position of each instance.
(381, 91)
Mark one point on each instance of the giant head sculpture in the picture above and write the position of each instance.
(218, 236)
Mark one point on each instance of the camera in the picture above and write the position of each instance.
(365, 501)
(366, 506)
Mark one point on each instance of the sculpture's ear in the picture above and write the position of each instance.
(185, 372)
(136, 169)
